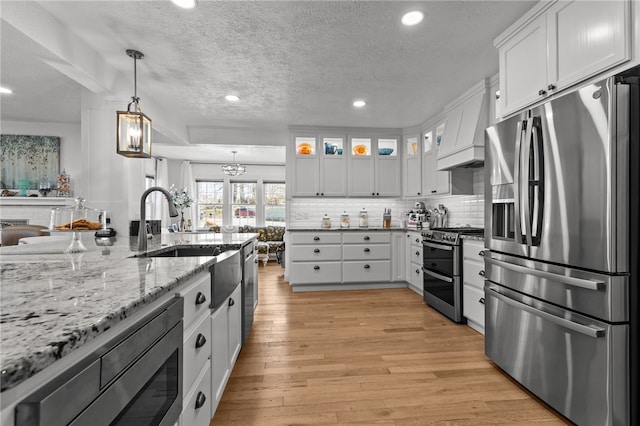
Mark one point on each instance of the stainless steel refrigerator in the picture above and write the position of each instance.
(561, 229)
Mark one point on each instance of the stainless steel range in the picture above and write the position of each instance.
(442, 269)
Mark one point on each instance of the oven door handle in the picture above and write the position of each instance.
(582, 329)
(438, 276)
(437, 246)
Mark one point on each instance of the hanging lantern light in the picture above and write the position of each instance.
(234, 169)
(134, 128)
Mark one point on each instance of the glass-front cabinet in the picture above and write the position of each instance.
(374, 166)
(413, 167)
(319, 166)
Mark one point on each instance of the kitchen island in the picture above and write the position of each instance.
(55, 305)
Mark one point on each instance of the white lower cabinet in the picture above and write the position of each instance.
(366, 271)
(473, 283)
(414, 261)
(226, 341)
(197, 403)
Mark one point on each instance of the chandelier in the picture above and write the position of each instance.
(134, 128)
(234, 169)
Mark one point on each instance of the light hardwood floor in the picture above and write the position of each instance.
(366, 357)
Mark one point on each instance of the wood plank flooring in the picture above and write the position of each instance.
(366, 357)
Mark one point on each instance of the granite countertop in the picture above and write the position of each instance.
(472, 237)
(351, 229)
(52, 303)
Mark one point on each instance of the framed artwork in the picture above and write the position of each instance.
(25, 160)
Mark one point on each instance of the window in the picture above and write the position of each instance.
(243, 203)
(274, 204)
(210, 203)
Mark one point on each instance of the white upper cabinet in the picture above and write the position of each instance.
(412, 166)
(441, 182)
(460, 140)
(374, 166)
(319, 166)
(558, 44)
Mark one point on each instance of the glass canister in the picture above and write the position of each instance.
(64, 184)
(344, 220)
(363, 219)
(326, 221)
(386, 219)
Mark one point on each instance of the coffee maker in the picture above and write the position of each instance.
(418, 215)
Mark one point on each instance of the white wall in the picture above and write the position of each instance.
(70, 142)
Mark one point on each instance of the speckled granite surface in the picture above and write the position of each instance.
(355, 228)
(472, 237)
(52, 303)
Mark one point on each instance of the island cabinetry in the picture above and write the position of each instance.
(196, 378)
(414, 260)
(319, 165)
(473, 283)
(558, 44)
(226, 327)
(316, 257)
(366, 257)
(374, 166)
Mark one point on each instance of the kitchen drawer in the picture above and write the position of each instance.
(473, 304)
(195, 357)
(471, 273)
(366, 251)
(197, 297)
(367, 271)
(316, 252)
(473, 249)
(415, 238)
(197, 404)
(314, 238)
(366, 237)
(415, 277)
(315, 272)
(415, 254)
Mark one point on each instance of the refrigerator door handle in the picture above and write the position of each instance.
(524, 180)
(572, 281)
(594, 332)
(516, 187)
(538, 181)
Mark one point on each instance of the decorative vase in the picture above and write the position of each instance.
(182, 222)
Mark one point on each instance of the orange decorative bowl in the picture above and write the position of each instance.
(360, 150)
(304, 149)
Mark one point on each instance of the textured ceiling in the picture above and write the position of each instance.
(291, 63)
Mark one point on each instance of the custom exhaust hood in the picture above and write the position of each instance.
(461, 144)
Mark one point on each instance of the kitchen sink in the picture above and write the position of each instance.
(182, 252)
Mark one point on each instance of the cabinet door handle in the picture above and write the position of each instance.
(322, 194)
(542, 92)
(200, 298)
(366, 238)
(377, 193)
(417, 240)
(200, 400)
(366, 250)
(373, 193)
(417, 271)
(317, 194)
(231, 302)
(481, 300)
(200, 340)
(433, 191)
(316, 267)
(316, 238)
(418, 193)
(551, 87)
(481, 273)
(367, 266)
(481, 253)
(418, 253)
(316, 250)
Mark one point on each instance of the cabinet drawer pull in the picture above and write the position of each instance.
(551, 87)
(417, 240)
(418, 253)
(542, 92)
(417, 271)
(366, 238)
(316, 267)
(366, 250)
(481, 253)
(481, 273)
(200, 341)
(231, 302)
(434, 191)
(200, 400)
(316, 238)
(367, 266)
(316, 250)
(481, 300)
(200, 298)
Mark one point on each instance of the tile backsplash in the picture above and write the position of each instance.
(463, 210)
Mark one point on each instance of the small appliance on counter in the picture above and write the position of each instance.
(419, 216)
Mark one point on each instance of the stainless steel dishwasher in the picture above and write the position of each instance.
(249, 281)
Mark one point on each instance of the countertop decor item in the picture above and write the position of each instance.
(77, 219)
(234, 169)
(64, 184)
(134, 128)
(326, 221)
(181, 200)
(344, 220)
(385, 151)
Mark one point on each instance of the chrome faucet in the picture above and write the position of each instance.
(142, 230)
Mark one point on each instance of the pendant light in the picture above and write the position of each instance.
(234, 169)
(134, 128)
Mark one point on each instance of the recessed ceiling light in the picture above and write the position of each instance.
(412, 18)
(185, 4)
(232, 98)
(359, 104)
(5, 90)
